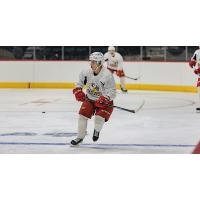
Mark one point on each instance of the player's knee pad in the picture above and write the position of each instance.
(82, 117)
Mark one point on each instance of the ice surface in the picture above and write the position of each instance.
(168, 123)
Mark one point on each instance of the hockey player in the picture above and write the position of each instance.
(194, 63)
(115, 64)
(98, 100)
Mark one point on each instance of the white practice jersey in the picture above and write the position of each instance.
(102, 84)
(196, 57)
(114, 62)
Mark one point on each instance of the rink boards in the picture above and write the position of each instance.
(161, 76)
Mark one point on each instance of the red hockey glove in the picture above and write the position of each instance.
(79, 94)
(102, 101)
(197, 71)
(192, 63)
(120, 73)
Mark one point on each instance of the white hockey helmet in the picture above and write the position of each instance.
(111, 48)
(98, 57)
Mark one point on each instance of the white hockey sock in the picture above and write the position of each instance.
(82, 126)
(98, 123)
(122, 82)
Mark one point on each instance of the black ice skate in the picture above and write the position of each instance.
(124, 90)
(76, 141)
(95, 136)
(198, 109)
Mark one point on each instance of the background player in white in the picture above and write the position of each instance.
(98, 100)
(115, 64)
(195, 64)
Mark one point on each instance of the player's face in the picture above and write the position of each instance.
(112, 52)
(95, 67)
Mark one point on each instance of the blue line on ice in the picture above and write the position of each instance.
(97, 145)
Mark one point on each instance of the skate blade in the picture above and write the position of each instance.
(75, 146)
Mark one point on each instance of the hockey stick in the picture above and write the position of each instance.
(129, 110)
(135, 79)
(122, 108)
(140, 107)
